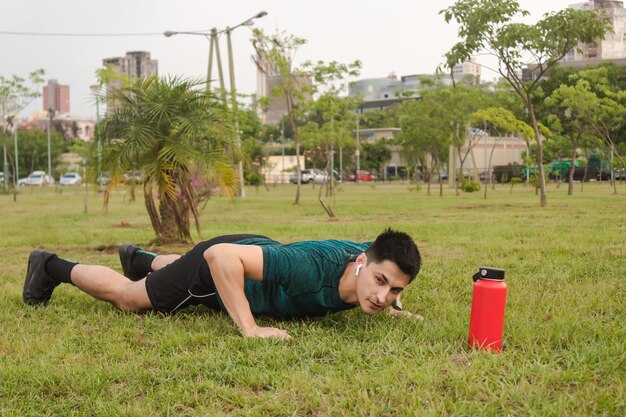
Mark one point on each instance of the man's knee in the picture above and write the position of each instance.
(133, 298)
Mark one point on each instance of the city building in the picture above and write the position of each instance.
(69, 125)
(468, 71)
(611, 49)
(269, 107)
(134, 64)
(507, 150)
(613, 46)
(56, 97)
(381, 93)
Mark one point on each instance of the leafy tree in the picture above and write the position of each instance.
(375, 155)
(424, 136)
(277, 52)
(570, 106)
(498, 122)
(487, 26)
(299, 84)
(15, 94)
(33, 152)
(330, 126)
(176, 136)
(594, 106)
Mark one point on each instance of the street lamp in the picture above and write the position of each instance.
(214, 44)
(95, 89)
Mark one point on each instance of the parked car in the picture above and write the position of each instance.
(36, 178)
(104, 179)
(133, 177)
(70, 178)
(363, 175)
(306, 176)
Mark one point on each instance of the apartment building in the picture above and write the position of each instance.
(613, 46)
(134, 64)
(267, 79)
(56, 97)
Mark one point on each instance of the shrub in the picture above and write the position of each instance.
(469, 186)
(254, 179)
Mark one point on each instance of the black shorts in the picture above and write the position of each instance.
(187, 281)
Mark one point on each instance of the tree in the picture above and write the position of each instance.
(570, 106)
(15, 95)
(176, 136)
(298, 85)
(277, 52)
(33, 153)
(424, 136)
(498, 122)
(487, 26)
(330, 126)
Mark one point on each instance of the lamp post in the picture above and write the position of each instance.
(17, 162)
(214, 46)
(95, 89)
(357, 152)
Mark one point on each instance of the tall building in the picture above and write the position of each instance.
(468, 71)
(134, 64)
(268, 78)
(611, 49)
(381, 93)
(614, 44)
(56, 97)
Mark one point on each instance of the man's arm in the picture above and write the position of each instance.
(229, 263)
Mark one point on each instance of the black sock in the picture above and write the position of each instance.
(142, 262)
(60, 269)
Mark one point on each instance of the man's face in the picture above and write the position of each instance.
(378, 284)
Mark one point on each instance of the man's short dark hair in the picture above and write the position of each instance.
(399, 248)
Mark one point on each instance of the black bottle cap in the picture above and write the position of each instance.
(485, 272)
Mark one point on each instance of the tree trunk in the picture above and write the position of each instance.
(493, 148)
(543, 201)
(294, 130)
(570, 175)
(168, 232)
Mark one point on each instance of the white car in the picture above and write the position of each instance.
(70, 178)
(36, 178)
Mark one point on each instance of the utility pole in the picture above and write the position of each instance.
(357, 153)
(17, 162)
(50, 115)
(214, 46)
(235, 109)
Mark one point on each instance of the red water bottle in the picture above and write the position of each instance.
(488, 303)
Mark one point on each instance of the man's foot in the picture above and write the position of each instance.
(38, 285)
(126, 251)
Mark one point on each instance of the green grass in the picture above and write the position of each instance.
(565, 332)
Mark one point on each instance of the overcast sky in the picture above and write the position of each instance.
(401, 36)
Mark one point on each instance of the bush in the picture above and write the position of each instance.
(254, 179)
(469, 186)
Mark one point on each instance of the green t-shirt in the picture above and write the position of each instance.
(300, 279)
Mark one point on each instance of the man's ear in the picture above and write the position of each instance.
(362, 259)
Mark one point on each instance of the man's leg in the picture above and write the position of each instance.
(106, 284)
(46, 271)
(138, 263)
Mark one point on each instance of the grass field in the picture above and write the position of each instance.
(565, 331)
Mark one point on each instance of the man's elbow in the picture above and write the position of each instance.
(216, 253)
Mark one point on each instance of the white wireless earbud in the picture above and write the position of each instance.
(358, 269)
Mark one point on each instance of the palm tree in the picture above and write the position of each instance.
(173, 134)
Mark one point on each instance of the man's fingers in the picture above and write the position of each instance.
(268, 333)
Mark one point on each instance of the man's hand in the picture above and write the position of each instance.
(390, 311)
(265, 333)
